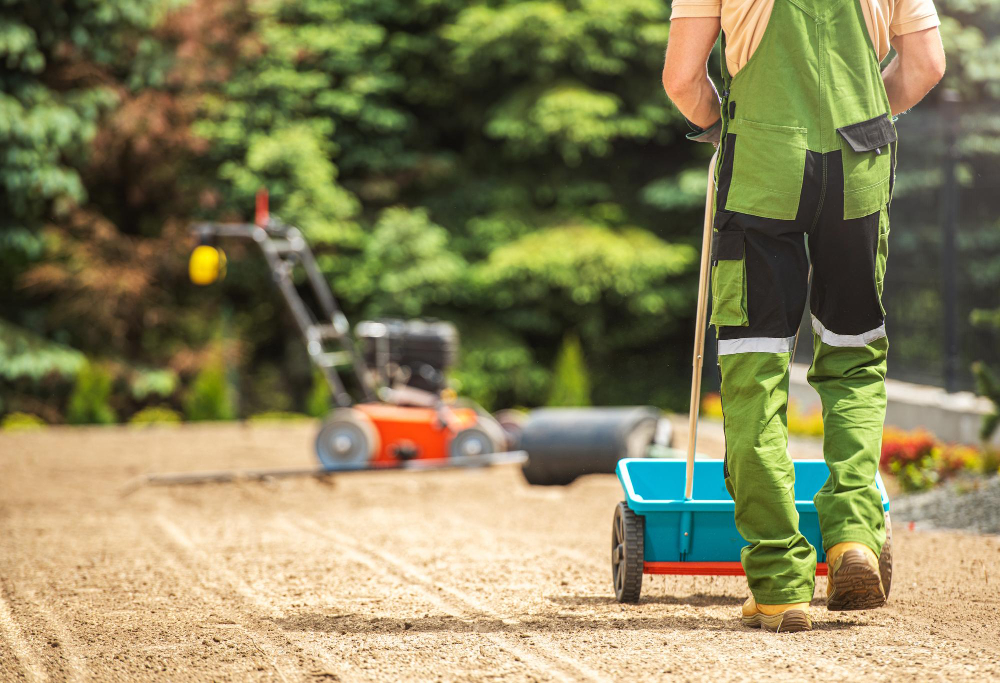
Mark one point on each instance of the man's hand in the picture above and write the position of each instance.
(685, 70)
(916, 69)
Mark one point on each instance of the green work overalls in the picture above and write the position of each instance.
(807, 158)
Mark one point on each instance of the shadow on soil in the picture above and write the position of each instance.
(525, 628)
(699, 600)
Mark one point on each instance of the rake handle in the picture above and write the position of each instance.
(698, 359)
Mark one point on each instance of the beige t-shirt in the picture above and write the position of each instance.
(744, 22)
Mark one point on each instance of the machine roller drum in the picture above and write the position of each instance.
(564, 443)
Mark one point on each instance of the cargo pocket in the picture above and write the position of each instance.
(769, 163)
(729, 280)
(882, 254)
(867, 165)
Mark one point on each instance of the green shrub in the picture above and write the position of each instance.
(210, 396)
(268, 390)
(498, 369)
(987, 385)
(991, 460)
(146, 383)
(88, 404)
(156, 415)
(319, 402)
(570, 381)
(24, 355)
(21, 422)
(277, 416)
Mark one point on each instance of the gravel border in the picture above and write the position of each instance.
(966, 504)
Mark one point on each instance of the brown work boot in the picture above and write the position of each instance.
(854, 581)
(777, 618)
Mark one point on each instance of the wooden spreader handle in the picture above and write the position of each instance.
(699, 331)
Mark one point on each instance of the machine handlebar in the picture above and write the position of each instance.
(284, 246)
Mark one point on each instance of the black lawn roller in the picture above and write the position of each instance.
(564, 443)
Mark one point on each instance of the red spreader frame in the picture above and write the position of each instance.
(706, 568)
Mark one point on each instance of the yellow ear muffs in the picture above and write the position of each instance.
(207, 265)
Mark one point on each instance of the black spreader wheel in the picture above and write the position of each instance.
(627, 553)
(885, 558)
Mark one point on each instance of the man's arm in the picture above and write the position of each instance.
(917, 67)
(685, 70)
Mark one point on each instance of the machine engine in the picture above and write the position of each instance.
(411, 353)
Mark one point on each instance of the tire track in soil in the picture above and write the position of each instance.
(547, 655)
(209, 567)
(968, 636)
(376, 563)
(30, 665)
(74, 664)
(576, 557)
(460, 522)
(247, 592)
(187, 559)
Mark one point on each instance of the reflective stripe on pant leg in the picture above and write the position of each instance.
(780, 563)
(850, 379)
(846, 340)
(756, 344)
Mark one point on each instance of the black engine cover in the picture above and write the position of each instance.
(423, 349)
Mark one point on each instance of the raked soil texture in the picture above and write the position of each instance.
(461, 575)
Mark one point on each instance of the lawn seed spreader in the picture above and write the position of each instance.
(678, 517)
(407, 417)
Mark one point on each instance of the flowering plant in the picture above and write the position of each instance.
(919, 460)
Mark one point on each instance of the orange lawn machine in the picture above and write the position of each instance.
(406, 416)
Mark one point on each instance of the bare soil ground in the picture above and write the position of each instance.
(459, 575)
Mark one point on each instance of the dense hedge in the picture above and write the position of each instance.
(512, 166)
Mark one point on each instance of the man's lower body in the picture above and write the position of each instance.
(757, 320)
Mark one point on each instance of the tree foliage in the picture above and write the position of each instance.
(570, 380)
(512, 166)
(988, 386)
(90, 402)
(210, 395)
